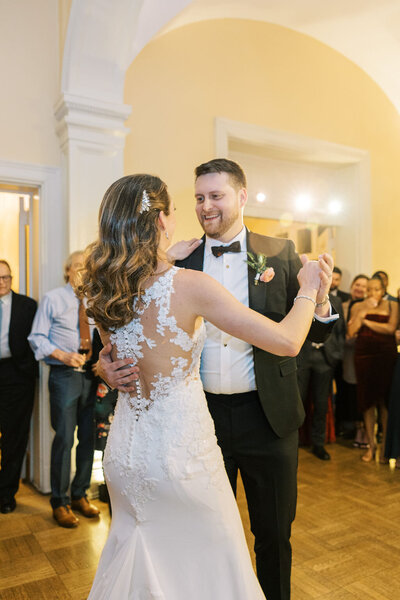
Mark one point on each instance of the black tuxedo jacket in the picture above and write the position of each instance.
(333, 348)
(276, 377)
(344, 296)
(23, 310)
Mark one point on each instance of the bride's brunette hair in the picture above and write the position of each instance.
(125, 254)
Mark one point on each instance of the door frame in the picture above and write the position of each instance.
(49, 251)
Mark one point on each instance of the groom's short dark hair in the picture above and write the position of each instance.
(223, 165)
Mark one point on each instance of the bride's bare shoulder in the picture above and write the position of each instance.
(193, 280)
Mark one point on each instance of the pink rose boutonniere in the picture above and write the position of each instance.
(258, 262)
(267, 275)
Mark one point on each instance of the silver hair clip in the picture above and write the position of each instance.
(145, 202)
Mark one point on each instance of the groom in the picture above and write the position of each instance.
(252, 395)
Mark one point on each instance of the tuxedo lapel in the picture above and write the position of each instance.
(196, 259)
(257, 293)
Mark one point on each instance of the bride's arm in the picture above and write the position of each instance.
(208, 298)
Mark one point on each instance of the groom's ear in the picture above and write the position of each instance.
(242, 197)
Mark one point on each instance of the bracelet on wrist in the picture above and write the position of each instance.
(305, 298)
(324, 301)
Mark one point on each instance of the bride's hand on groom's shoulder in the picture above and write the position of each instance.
(182, 249)
(118, 374)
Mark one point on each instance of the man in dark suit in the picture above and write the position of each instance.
(336, 281)
(252, 395)
(316, 365)
(18, 370)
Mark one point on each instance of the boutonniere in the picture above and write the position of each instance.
(258, 262)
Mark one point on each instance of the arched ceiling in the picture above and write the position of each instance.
(104, 37)
(365, 31)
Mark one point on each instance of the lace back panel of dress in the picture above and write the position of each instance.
(164, 352)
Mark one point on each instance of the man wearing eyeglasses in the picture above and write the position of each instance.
(18, 369)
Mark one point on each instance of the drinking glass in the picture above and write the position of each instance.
(84, 348)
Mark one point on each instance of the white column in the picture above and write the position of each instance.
(92, 137)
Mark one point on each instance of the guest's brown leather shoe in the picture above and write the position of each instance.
(85, 507)
(65, 517)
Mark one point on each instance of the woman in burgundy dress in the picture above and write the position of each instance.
(374, 322)
(392, 449)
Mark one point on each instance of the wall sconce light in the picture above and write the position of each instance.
(261, 197)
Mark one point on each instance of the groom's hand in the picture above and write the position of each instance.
(182, 249)
(326, 265)
(119, 374)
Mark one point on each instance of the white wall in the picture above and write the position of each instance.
(29, 80)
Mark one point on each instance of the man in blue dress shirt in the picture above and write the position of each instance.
(56, 338)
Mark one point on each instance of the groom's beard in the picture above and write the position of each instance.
(215, 224)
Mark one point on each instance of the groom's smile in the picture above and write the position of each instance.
(211, 218)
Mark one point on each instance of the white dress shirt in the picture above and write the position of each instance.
(227, 365)
(5, 351)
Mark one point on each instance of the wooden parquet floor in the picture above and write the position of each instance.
(346, 537)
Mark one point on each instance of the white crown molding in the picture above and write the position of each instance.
(89, 120)
(27, 173)
(312, 148)
(72, 102)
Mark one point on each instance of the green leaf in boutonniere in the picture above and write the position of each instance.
(258, 262)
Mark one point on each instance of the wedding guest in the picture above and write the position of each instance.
(60, 329)
(105, 401)
(336, 281)
(316, 365)
(349, 421)
(374, 321)
(385, 280)
(338, 375)
(358, 290)
(18, 370)
(392, 448)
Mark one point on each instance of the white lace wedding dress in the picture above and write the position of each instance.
(175, 533)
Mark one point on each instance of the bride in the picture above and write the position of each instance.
(176, 532)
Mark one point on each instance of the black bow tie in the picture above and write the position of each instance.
(219, 250)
